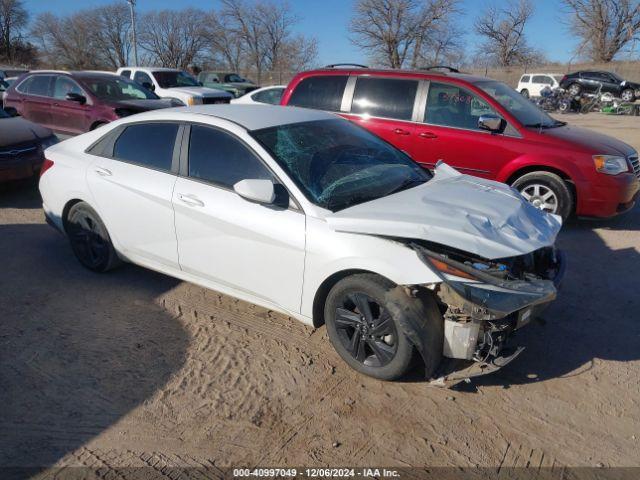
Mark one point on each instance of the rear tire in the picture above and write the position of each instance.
(89, 239)
(546, 191)
(525, 93)
(363, 327)
(628, 95)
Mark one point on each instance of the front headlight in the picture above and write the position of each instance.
(194, 101)
(610, 164)
(49, 141)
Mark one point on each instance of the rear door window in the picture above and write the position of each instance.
(384, 97)
(320, 92)
(147, 144)
(126, 73)
(451, 106)
(525, 79)
(271, 96)
(220, 158)
(142, 78)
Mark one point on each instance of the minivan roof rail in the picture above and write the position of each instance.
(445, 67)
(334, 65)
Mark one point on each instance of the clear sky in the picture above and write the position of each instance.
(327, 20)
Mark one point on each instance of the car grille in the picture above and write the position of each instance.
(635, 164)
(214, 100)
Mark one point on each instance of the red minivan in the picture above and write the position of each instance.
(481, 127)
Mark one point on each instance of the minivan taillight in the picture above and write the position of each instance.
(46, 165)
(564, 77)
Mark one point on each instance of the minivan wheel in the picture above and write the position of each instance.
(89, 239)
(546, 191)
(574, 89)
(365, 331)
(628, 95)
(525, 93)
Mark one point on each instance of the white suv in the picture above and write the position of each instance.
(174, 83)
(531, 84)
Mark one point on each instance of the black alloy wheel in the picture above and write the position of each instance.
(89, 239)
(366, 330)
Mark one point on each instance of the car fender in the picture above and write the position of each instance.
(548, 162)
(332, 254)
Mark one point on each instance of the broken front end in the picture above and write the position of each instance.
(484, 302)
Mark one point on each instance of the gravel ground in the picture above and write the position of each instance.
(134, 368)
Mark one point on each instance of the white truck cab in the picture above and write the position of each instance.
(176, 84)
(531, 84)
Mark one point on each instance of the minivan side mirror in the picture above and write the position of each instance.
(76, 97)
(149, 86)
(491, 123)
(256, 190)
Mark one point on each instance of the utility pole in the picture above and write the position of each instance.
(132, 4)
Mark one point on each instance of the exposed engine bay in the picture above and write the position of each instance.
(484, 302)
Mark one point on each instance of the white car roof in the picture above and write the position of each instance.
(251, 117)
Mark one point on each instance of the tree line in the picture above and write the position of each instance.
(415, 33)
(259, 35)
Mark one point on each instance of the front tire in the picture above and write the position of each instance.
(89, 239)
(628, 95)
(363, 327)
(575, 89)
(546, 191)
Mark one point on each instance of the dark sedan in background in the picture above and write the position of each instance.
(76, 102)
(22, 146)
(607, 82)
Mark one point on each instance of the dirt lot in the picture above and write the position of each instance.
(134, 368)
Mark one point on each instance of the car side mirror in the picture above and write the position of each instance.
(76, 97)
(491, 123)
(149, 86)
(256, 190)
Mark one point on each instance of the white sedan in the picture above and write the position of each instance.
(308, 214)
(265, 95)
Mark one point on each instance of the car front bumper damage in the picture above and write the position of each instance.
(481, 319)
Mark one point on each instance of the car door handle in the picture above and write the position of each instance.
(103, 172)
(427, 135)
(191, 200)
(401, 131)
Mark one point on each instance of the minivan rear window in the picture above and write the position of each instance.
(385, 97)
(525, 79)
(322, 93)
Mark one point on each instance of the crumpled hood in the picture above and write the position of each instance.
(596, 143)
(17, 130)
(201, 92)
(475, 215)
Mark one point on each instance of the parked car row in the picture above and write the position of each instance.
(359, 222)
(532, 84)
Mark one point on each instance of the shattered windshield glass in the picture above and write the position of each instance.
(337, 164)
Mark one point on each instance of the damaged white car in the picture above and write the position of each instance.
(308, 214)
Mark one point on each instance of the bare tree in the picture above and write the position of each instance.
(225, 46)
(503, 30)
(434, 28)
(245, 23)
(112, 30)
(385, 29)
(13, 19)
(66, 42)
(174, 38)
(605, 27)
(394, 31)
